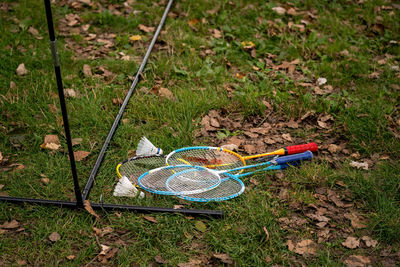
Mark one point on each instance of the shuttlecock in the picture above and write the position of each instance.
(145, 147)
(125, 188)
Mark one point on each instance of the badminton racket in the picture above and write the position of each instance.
(220, 159)
(192, 179)
(230, 187)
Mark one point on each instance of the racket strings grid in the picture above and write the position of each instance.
(211, 157)
(230, 187)
(136, 166)
(179, 180)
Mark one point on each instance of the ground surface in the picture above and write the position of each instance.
(259, 75)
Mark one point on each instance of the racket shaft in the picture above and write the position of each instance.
(278, 161)
(287, 151)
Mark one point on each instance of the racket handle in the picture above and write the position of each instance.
(295, 157)
(290, 164)
(290, 150)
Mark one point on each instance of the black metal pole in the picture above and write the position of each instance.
(105, 206)
(100, 158)
(57, 70)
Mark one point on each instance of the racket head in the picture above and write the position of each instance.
(179, 180)
(215, 158)
(136, 166)
(229, 188)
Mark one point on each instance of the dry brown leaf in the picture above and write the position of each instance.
(159, 259)
(287, 137)
(150, 219)
(146, 29)
(306, 247)
(216, 33)
(291, 11)
(10, 225)
(333, 148)
(356, 221)
(357, 261)
(71, 257)
(266, 233)
(117, 101)
(351, 242)
(279, 10)
(290, 245)
(214, 123)
(89, 209)
(76, 141)
(21, 262)
(54, 237)
(369, 242)
(69, 92)
(21, 70)
(292, 124)
(250, 149)
(231, 147)
(1, 186)
(359, 165)
(191, 263)
(34, 32)
(51, 142)
(254, 181)
(165, 92)
(87, 71)
(225, 258)
(235, 140)
(80, 155)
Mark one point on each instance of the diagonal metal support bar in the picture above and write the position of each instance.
(100, 158)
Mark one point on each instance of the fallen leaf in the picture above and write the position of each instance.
(250, 149)
(292, 124)
(117, 101)
(279, 10)
(254, 181)
(51, 142)
(10, 225)
(216, 33)
(34, 32)
(321, 81)
(351, 242)
(191, 263)
(231, 147)
(89, 209)
(71, 257)
(146, 29)
(159, 259)
(200, 226)
(80, 155)
(287, 137)
(45, 180)
(240, 75)
(306, 246)
(359, 165)
(21, 70)
(150, 219)
(87, 71)
(356, 221)
(291, 11)
(76, 141)
(54, 237)
(357, 261)
(135, 38)
(21, 262)
(225, 258)
(192, 23)
(333, 148)
(290, 245)
(266, 233)
(1, 157)
(104, 249)
(1, 186)
(369, 242)
(68, 92)
(165, 92)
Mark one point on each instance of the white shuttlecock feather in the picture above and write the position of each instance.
(145, 147)
(125, 188)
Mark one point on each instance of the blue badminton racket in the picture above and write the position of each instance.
(189, 179)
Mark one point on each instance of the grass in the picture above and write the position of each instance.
(363, 104)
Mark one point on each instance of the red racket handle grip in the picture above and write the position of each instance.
(301, 148)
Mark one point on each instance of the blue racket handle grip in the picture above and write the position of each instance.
(295, 157)
(287, 165)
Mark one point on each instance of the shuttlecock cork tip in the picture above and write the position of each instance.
(145, 147)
